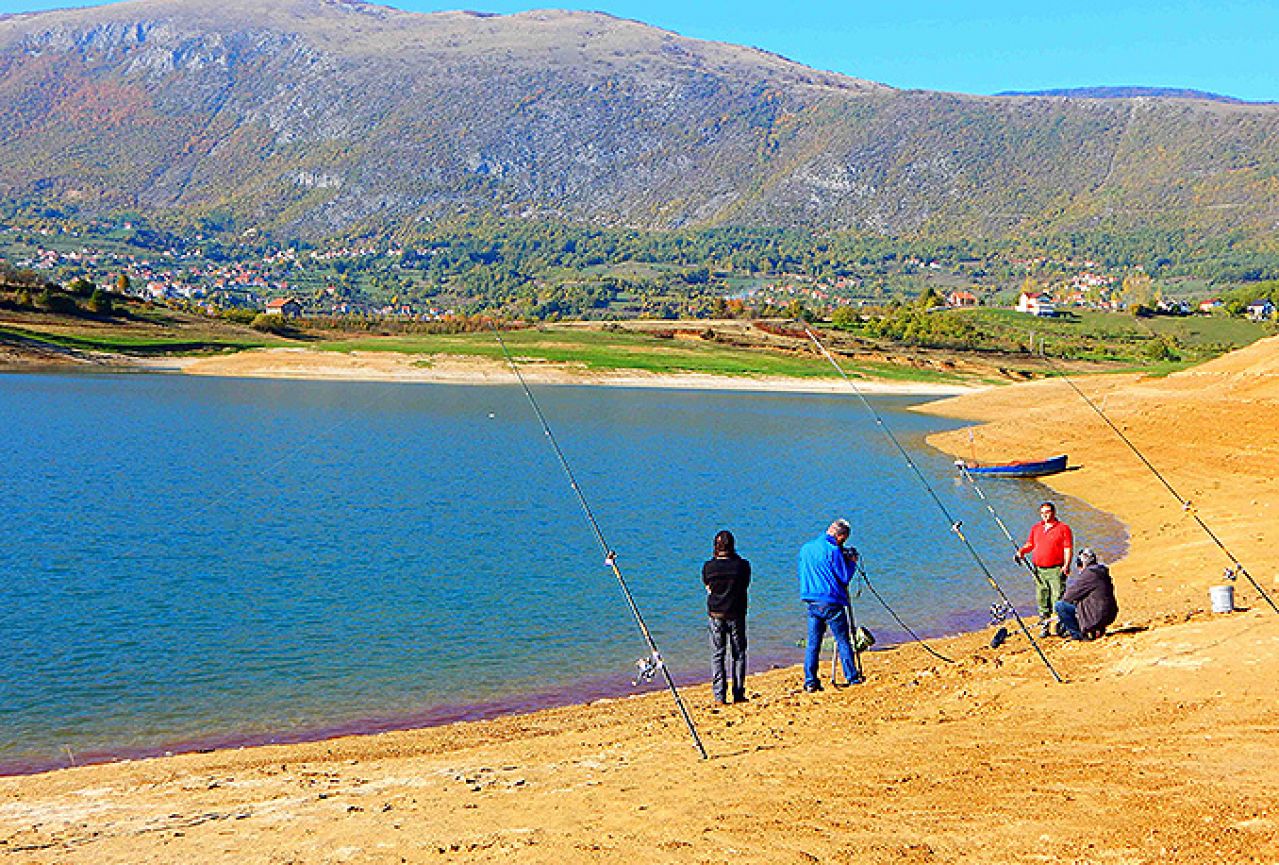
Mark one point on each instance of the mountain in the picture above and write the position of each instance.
(312, 118)
(1128, 92)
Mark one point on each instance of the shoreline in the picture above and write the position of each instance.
(579, 694)
(366, 366)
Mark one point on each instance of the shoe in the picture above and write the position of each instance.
(1045, 629)
(813, 687)
(740, 697)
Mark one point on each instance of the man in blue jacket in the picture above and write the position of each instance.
(825, 570)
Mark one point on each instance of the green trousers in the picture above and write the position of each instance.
(1050, 584)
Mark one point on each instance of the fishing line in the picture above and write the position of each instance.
(963, 470)
(956, 526)
(655, 661)
(1236, 566)
(905, 627)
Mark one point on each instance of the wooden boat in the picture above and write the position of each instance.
(1023, 469)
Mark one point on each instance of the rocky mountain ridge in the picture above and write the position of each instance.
(315, 118)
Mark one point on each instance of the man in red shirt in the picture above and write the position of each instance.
(1050, 547)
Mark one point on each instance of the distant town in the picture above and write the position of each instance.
(388, 280)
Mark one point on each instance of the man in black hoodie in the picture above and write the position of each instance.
(1088, 605)
(726, 577)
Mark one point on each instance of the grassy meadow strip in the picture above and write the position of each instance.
(616, 352)
(127, 343)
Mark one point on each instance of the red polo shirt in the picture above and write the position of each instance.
(1048, 543)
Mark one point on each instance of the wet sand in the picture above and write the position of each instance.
(1159, 748)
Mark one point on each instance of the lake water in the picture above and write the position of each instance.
(192, 562)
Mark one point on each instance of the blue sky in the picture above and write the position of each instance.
(968, 46)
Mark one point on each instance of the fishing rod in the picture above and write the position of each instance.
(905, 627)
(654, 661)
(956, 526)
(963, 470)
(1186, 505)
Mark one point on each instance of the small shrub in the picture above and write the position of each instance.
(239, 316)
(56, 301)
(100, 302)
(81, 287)
(276, 324)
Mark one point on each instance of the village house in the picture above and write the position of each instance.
(1040, 304)
(1174, 306)
(958, 299)
(285, 306)
(1210, 305)
(1261, 310)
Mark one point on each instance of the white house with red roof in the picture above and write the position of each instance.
(285, 306)
(1037, 303)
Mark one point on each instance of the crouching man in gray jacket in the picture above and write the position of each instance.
(1088, 605)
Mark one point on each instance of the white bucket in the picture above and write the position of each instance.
(1223, 599)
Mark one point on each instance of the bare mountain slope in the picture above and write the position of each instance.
(315, 117)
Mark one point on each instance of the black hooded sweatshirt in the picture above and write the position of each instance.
(727, 580)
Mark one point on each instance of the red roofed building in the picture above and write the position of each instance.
(285, 306)
(1036, 304)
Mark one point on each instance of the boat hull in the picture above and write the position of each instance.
(1030, 469)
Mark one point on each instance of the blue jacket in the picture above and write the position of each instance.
(824, 574)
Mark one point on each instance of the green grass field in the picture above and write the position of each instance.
(611, 351)
(1119, 337)
(138, 344)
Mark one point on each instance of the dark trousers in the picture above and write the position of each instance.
(728, 637)
(1068, 615)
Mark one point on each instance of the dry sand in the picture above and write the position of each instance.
(1161, 748)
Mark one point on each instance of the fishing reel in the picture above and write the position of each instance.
(1000, 612)
(646, 669)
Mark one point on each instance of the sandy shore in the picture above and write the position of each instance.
(1159, 749)
(301, 363)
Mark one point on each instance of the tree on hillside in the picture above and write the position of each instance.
(930, 299)
(81, 287)
(796, 310)
(1138, 291)
(57, 301)
(100, 302)
(122, 283)
(846, 317)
